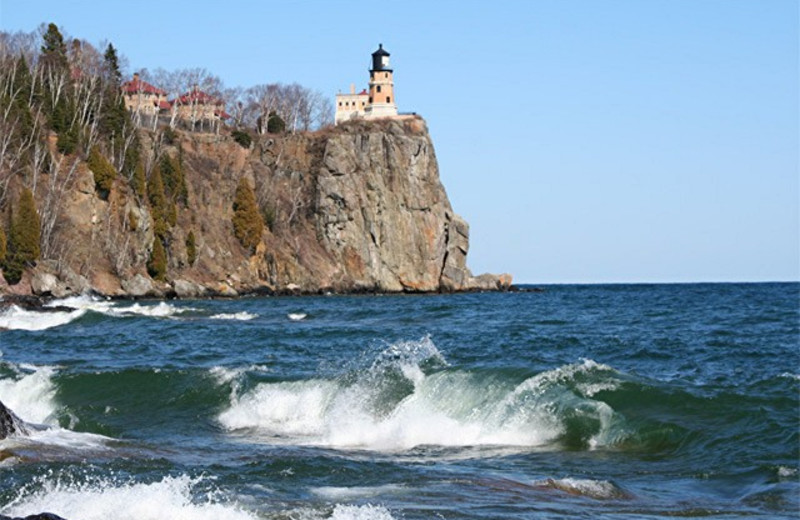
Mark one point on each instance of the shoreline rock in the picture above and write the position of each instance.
(352, 209)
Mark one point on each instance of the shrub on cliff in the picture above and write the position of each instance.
(157, 264)
(174, 179)
(191, 248)
(2, 246)
(104, 172)
(138, 179)
(158, 202)
(275, 124)
(23, 240)
(243, 138)
(247, 222)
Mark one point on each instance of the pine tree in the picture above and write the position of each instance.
(54, 50)
(138, 180)
(104, 172)
(157, 265)
(191, 248)
(25, 230)
(3, 245)
(247, 222)
(112, 66)
(174, 180)
(158, 202)
(22, 248)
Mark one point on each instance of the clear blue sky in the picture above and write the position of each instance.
(583, 140)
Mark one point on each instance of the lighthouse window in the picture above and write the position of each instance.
(379, 88)
(386, 75)
(340, 103)
(388, 99)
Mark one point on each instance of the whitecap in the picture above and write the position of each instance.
(240, 316)
(31, 394)
(16, 318)
(364, 512)
(297, 316)
(784, 472)
(397, 405)
(172, 497)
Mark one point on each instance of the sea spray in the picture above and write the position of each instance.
(408, 397)
(30, 393)
(176, 498)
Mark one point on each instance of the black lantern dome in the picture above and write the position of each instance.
(380, 60)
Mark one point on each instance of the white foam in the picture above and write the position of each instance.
(161, 310)
(240, 316)
(16, 318)
(446, 408)
(31, 395)
(297, 316)
(365, 512)
(784, 472)
(172, 497)
(83, 302)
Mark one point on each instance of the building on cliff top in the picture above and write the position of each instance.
(376, 103)
(147, 103)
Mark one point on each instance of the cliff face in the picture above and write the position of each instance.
(356, 208)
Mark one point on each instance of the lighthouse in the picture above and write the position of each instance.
(381, 101)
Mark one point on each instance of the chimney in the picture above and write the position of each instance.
(135, 76)
(352, 88)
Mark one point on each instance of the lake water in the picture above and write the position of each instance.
(591, 401)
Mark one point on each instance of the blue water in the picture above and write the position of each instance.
(585, 401)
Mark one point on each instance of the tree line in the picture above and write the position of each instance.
(61, 105)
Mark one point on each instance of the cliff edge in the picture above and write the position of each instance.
(356, 208)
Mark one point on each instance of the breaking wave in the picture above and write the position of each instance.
(16, 318)
(409, 397)
(172, 497)
(240, 316)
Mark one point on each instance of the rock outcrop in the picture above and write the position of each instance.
(9, 423)
(356, 208)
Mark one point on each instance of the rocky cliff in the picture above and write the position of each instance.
(355, 208)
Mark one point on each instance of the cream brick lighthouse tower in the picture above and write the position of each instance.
(381, 87)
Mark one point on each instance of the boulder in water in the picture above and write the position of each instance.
(9, 424)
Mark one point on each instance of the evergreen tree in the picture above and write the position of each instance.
(158, 202)
(191, 248)
(138, 180)
(54, 50)
(247, 222)
(275, 124)
(104, 172)
(112, 66)
(3, 245)
(25, 230)
(22, 248)
(157, 265)
(174, 180)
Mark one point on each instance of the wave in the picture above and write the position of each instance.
(365, 512)
(30, 392)
(16, 318)
(116, 309)
(240, 316)
(172, 497)
(408, 397)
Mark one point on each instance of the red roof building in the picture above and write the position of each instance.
(142, 97)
